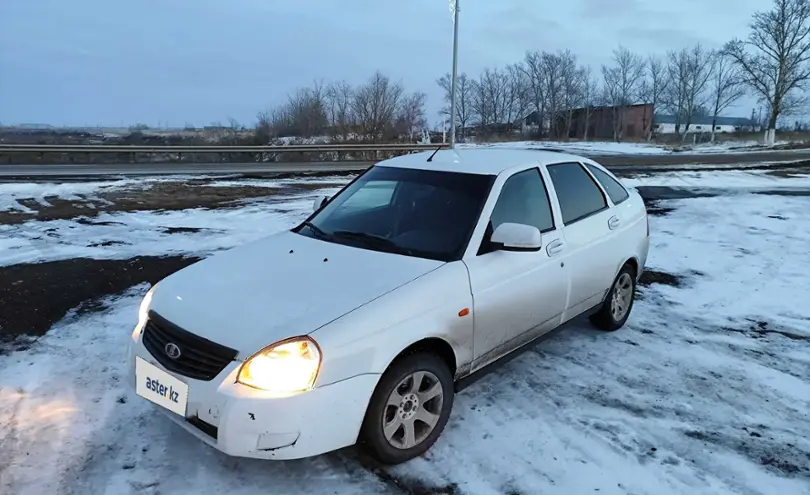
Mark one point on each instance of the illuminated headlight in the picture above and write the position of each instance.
(285, 367)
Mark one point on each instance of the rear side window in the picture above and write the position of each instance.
(578, 194)
(614, 189)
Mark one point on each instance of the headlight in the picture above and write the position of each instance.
(288, 366)
(143, 312)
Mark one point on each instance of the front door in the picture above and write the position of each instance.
(517, 296)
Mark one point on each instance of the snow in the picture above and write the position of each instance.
(625, 148)
(600, 147)
(11, 192)
(706, 390)
(741, 180)
(142, 233)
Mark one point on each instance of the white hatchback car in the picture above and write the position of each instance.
(354, 326)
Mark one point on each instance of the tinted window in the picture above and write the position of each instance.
(424, 213)
(578, 194)
(524, 199)
(615, 190)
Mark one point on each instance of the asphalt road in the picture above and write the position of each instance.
(624, 163)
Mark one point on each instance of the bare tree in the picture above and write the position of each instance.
(622, 84)
(574, 80)
(303, 115)
(653, 88)
(375, 105)
(464, 89)
(689, 71)
(486, 97)
(700, 71)
(232, 132)
(411, 115)
(339, 98)
(675, 95)
(726, 86)
(264, 128)
(590, 97)
(554, 65)
(517, 102)
(533, 69)
(774, 58)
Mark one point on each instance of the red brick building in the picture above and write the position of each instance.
(632, 122)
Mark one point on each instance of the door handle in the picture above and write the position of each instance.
(614, 223)
(555, 247)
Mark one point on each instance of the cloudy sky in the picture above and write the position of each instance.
(171, 62)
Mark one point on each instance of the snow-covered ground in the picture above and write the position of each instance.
(613, 148)
(732, 180)
(122, 235)
(707, 389)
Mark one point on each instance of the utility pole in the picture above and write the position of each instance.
(456, 10)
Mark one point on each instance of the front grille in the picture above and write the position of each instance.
(199, 358)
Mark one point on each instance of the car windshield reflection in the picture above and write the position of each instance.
(423, 213)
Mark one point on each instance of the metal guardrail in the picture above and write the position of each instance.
(293, 148)
(71, 153)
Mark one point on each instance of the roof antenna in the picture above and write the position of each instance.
(430, 158)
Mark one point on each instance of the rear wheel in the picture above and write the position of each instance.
(409, 408)
(619, 301)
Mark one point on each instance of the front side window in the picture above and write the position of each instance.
(523, 199)
(615, 190)
(578, 194)
(424, 213)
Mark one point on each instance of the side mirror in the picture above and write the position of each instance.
(517, 237)
(319, 202)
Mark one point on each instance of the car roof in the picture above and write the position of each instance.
(478, 161)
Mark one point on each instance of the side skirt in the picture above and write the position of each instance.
(471, 378)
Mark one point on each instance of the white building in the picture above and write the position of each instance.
(665, 124)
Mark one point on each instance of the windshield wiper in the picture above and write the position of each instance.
(319, 233)
(371, 240)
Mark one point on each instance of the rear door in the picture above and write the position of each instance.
(588, 227)
(517, 296)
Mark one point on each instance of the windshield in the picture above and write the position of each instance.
(424, 213)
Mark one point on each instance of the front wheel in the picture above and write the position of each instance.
(619, 301)
(409, 408)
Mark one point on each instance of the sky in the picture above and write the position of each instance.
(178, 62)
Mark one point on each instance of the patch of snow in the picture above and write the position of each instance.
(706, 390)
(10, 193)
(736, 179)
(128, 234)
(625, 148)
(729, 147)
(595, 147)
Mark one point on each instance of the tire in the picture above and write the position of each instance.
(625, 285)
(409, 409)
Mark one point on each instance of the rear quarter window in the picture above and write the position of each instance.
(615, 190)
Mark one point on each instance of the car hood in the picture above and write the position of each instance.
(282, 286)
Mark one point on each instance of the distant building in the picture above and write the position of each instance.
(665, 124)
(632, 122)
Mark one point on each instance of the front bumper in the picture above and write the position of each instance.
(246, 422)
